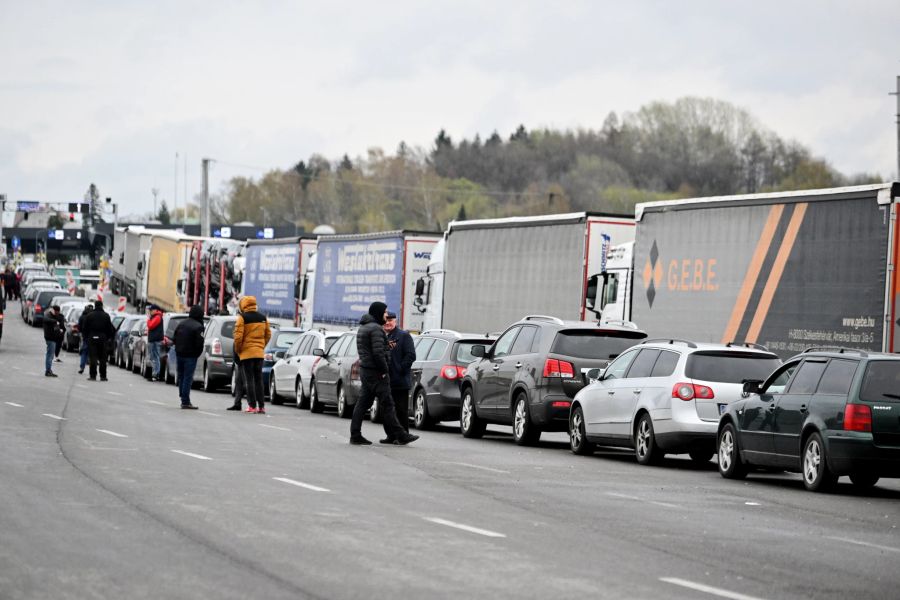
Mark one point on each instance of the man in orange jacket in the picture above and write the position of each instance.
(251, 334)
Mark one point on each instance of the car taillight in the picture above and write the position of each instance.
(268, 356)
(559, 368)
(689, 391)
(452, 372)
(561, 404)
(37, 308)
(857, 417)
(354, 370)
(216, 346)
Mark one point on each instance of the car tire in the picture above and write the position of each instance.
(343, 411)
(165, 373)
(863, 480)
(578, 441)
(645, 449)
(470, 424)
(274, 398)
(207, 384)
(314, 405)
(730, 464)
(302, 401)
(421, 416)
(701, 454)
(817, 477)
(525, 432)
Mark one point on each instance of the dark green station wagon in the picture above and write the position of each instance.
(824, 413)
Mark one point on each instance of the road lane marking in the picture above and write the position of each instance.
(469, 528)
(57, 417)
(17, 368)
(656, 502)
(112, 433)
(273, 427)
(752, 503)
(14, 404)
(81, 385)
(191, 454)
(707, 589)
(204, 412)
(157, 402)
(115, 394)
(625, 496)
(307, 486)
(867, 544)
(471, 466)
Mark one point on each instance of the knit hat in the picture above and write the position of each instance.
(377, 309)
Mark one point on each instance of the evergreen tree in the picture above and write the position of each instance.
(461, 215)
(164, 217)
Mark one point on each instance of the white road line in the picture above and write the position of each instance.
(471, 466)
(665, 504)
(657, 503)
(204, 412)
(191, 454)
(314, 488)
(81, 385)
(157, 402)
(17, 368)
(57, 417)
(867, 544)
(112, 433)
(752, 503)
(625, 496)
(14, 404)
(273, 427)
(468, 528)
(115, 394)
(707, 589)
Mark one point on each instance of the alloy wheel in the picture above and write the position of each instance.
(643, 438)
(812, 462)
(467, 411)
(726, 450)
(520, 419)
(419, 410)
(577, 429)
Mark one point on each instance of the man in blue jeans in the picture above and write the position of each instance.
(85, 346)
(188, 348)
(154, 339)
(51, 334)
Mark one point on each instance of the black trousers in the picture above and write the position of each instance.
(98, 355)
(238, 392)
(376, 386)
(401, 406)
(251, 369)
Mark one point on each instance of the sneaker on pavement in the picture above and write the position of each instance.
(387, 440)
(104, 379)
(188, 407)
(261, 410)
(50, 374)
(234, 407)
(407, 439)
(250, 409)
(359, 441)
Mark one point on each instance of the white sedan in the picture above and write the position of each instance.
(292, 373)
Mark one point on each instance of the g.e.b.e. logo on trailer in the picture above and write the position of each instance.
(677, 274)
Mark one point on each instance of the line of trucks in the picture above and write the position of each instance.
(787, 270)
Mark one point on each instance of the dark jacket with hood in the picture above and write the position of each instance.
(371, 341)
(403, 355)
(51, 328)
(189, 334)
(84, 315)
(98, 325)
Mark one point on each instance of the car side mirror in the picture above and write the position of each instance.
(279, 354)
(477, 351)
(594, 375)
(752, 386)
(420, 287)
(318, 352)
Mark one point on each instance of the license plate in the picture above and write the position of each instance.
(722, 408)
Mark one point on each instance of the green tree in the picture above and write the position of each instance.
(55, 222)
(164, 217)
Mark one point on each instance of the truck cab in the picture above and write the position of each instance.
(430, 289)
(609, 293)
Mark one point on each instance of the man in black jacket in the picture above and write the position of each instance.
(51, 334)
(98, 328)
(188, 348)
(374, 360)
(403, 355)
(85, 349)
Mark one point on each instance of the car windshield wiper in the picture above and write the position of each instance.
(894, 396)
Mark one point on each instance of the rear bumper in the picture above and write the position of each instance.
(549, 417)
(218, 368)
(850, 452)
(444, 402)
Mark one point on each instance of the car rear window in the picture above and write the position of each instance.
(286, 339)
(173, 324)
(597, 344)
(228, 329)
(881, 383)
(464, 350)
(730, 367)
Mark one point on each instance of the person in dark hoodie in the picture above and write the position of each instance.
(403, 355)
(188, 348)
(51, 334)
(85, 346)
(60, 332)
(98, 329)
(374, 367)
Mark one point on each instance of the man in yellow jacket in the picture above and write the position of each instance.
(251, 334)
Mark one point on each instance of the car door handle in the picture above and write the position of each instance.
(771, 407)
(611, 392)
(496, 367)
(803, 408)
(518, 365)
(635, 391)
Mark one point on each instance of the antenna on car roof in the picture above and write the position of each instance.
(687, 343)
(838, 349)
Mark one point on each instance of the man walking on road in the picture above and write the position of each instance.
(154, 339)
(374, 358)
(51, 334)
(98, 329)
(60, 332)
(85, 346)
(251, 334)
(403, 355)
(188, 348)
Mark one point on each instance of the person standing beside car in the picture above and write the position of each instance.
(403, 355)
(251, 334)
(98, 329)
(51, 334)
(188, 348)
(85, 347)
(374, 358)
(61, 331)
(154, 339)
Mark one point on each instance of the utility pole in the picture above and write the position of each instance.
(155, 192)
(204, 210)
(897, 93)
(175, 197)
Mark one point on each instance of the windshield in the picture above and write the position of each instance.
(596, 344)
(285, 339)
(730, 367)
(881, 383)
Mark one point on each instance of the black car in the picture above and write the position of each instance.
(824, 413)
(441, 360)
(528, 377)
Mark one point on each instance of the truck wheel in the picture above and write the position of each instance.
(421, 417)
(525, 432)
(314, 405)
(578, 441)
(469, 423)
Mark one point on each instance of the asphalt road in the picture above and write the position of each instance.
(109, 490)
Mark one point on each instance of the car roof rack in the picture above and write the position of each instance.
(439, 330)
(620, 322)
(687, 343)
(747, 345)
(556, 320)
(837, 349)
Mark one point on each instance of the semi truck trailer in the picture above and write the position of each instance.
(272, 272)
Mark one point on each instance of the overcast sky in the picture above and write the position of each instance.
(108, 92)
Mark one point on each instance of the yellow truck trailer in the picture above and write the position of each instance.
(167, 271)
